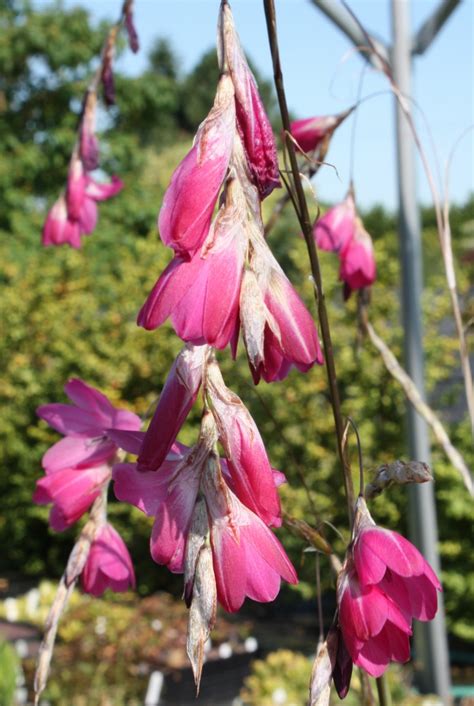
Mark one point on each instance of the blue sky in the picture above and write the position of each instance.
(322, 74)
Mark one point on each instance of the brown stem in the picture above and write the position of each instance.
(306, 226)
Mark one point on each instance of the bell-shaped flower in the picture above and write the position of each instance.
(176, 400)
(312, 133)
(202, 294)
(336, 228)
(385, 582)
(248, 559)
(88, 143)
(72, 491)
(84, 426)
(108, 564)
(59, 228)
(253, 124)
(357, 269)
(190, 199)
(251, 474)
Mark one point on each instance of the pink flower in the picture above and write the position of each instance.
(384, 583)
(130, 27)
(310, 133)
(84, 426)
(251, 474)
(358, 268)
(252, 121)
(108, 564)
(336, 228)
(190, 199)
(176, 400)
(72, 491)
(248, 559)
(59, 229)
(202, 294)
(76, 188)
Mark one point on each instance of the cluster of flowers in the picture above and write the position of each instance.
(78, 469)
(74, 214)
(212, 511)
(340, 230)
(223, 277)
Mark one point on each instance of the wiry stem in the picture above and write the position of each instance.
(306, 226)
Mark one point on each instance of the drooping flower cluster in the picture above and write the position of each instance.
(74, 214)
(78, 470)
(239, 491)
(223, 277)
(384, 584)
(341, 230)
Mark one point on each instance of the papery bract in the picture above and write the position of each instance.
(88, 143)
(108, 564)
(190, 199)
(336, 228)
(252, 121)
(72, 491)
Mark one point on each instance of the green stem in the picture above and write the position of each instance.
(306, 227)
(383, 691)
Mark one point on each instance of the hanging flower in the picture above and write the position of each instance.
(108, 564)
(385, 583)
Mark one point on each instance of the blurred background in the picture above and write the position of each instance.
(70, 313)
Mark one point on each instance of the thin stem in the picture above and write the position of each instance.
(359, 451)
(318, 598)
(383, 691)
(354, 123)
(306, 226)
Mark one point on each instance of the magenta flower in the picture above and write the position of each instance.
(59, 229)
(84, 426)
(72, 491)
(333, 230)
(248, 559)
(311, 133)
(252, 122)
(108, 564)
(190, 199)
(384, 584)
(358, 268)
(176, 400)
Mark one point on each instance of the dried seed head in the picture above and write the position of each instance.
(400, 473)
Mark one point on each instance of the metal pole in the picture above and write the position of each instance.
(430, 638)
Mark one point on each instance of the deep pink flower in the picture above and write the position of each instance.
(310, 133)
(252, 122)
(336, 228)
(130, 27)
(248, 465)
(72, 491)
(248, 559)
(190, 199)
(108, 565)
(358, 268)
(59, 229)
(76, 188)
(202, 294)
(384, 583)
(176, 400)
(84, 426)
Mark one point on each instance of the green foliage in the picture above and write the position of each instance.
(9, 667)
